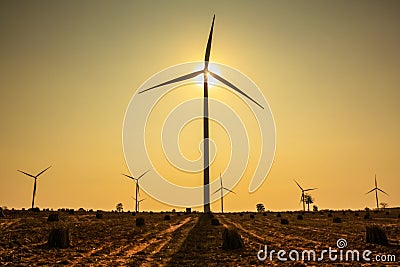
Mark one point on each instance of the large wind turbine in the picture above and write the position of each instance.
(138, 202)
(137, 186)
(376, 189)
(222, 193)
(34, 186)
(302, 199)
(205, 71)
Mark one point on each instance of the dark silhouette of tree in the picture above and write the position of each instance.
(308, 200)
(384, 205)
(119, 207)
(260, 207)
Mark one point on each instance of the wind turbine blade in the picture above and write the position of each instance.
(43, 171)
(370, 191)
(219, 78)
(27, 174)
(376, 183)
(216, 191)
(298, 185)
(382, 191)
(128, 176)
(142, 200)
(142, 174)
(228, 190)
(208, 48)
(309, 189)
(179, 79)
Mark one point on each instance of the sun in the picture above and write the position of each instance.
(212, 67)
(207, 74)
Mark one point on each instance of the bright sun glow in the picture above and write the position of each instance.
(211, 81)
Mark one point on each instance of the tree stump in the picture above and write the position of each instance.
(337, 220)
(34, 209)
(284, 221)
(367, 216)
(376, 235)
(167, 217)
(299, 217)
(53, 217)
(139, 221)
(231, 239)
(215, 221)
(99, 215)
(252, 216)
(59, 238)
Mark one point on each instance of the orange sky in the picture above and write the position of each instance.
(329, 71)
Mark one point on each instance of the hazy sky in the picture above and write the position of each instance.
(329, 70)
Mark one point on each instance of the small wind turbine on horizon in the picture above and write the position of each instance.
(137, 186)
(138, 202)
(34, 186)
(376, 189)
(222, 193)
(205, 72)
(302, 199)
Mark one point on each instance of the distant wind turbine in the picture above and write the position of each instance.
(376, 189)
(222, 193)
(137, 186)
(138, 202)
(205, 72)
(302, 199)
(34, 186)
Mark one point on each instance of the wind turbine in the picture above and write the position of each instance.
(34, 186)
(302, 199)
(222, 193)
(137, 185)
(205, 72)
(376, 189)
(137, 202)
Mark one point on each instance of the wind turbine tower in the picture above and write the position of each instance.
(34, 186)
(137, 186)
(376, 189)
(138, 202)
(205, 72)
(222, 193)
(302, 199)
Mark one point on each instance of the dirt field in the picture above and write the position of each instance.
(189, 239)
